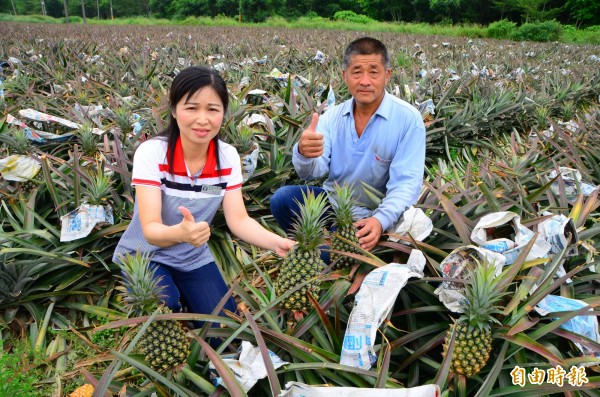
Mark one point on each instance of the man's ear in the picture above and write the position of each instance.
(388, 73)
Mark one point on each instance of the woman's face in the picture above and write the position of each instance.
(199, 117)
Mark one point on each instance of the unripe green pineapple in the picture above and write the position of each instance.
(28, 186)
(344, 201)
(164, 344)
(303, 262)
(473, 334)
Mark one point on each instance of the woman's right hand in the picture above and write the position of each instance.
(192, 232)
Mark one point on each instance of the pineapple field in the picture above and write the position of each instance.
(513, 130)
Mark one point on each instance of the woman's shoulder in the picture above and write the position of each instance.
(227, 149)
(156, 145)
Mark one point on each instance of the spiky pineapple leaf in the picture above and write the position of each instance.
(233, 386)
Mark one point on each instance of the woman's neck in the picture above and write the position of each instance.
(195, 157)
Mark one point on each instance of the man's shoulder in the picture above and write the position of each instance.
(402, 107)
(339, 109)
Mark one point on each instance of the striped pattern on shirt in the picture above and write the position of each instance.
(202, 194)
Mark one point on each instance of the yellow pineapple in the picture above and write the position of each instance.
(83, 391)
(303, 262)
(164, 344)
(344, 202)
(473, 334)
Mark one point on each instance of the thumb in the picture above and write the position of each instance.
(187, 215)
(313, 122)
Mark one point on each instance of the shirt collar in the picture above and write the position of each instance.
(384, 110)
(179, 162)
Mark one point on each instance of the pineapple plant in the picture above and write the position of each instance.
(164, 345)
(98, 190)
(473, 334)
(19, 143)
(346, 231)
(244, 139)
(88, 140)
(303, 262)
(122, 120)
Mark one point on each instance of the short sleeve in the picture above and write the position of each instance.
(146, 171)
(235, 177)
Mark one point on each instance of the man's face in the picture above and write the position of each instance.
(366, 77)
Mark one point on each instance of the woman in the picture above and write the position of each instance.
(181, 178)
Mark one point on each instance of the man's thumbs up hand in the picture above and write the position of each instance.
(311, 142)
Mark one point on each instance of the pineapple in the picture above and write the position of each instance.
(30, 185)
(83, 391)
(473, 335)
(345, 229)
(164, 345)
(304, 262)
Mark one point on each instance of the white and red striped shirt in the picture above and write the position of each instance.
(202, 194)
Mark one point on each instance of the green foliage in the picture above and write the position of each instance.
(18, 373)
(351, 16)
(446, 9)
(539, 31)
(585, 11)
(107, 338)
(590, 35)
(502, 29)
(404, 60)
(75, 19)
(533, 10)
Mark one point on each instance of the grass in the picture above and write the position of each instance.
(570, 35)
(20, 370)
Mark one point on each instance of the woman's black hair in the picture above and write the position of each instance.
(185, 84)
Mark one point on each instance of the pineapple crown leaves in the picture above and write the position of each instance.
(310, 220)
(88, 139)
(98, 190)
(140, 291)
(243, 139)
(344, 203)
(19, 142)
(482, 296)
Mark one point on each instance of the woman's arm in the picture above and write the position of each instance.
(149, 204)
(248, 229)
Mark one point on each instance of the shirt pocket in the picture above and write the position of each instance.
(379, 171)
(382, 161)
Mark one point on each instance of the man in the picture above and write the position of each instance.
(373, 137)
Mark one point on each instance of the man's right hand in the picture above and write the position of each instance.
(311, 142)
(194, 233)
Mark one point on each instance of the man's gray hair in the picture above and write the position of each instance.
(366, 46)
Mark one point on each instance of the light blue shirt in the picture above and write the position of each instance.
(389, 156)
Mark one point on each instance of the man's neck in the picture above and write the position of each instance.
(366, 111)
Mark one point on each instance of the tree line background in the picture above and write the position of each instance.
(575, 12)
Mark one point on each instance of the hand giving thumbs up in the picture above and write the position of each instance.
(195, 233)
(311, 142)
